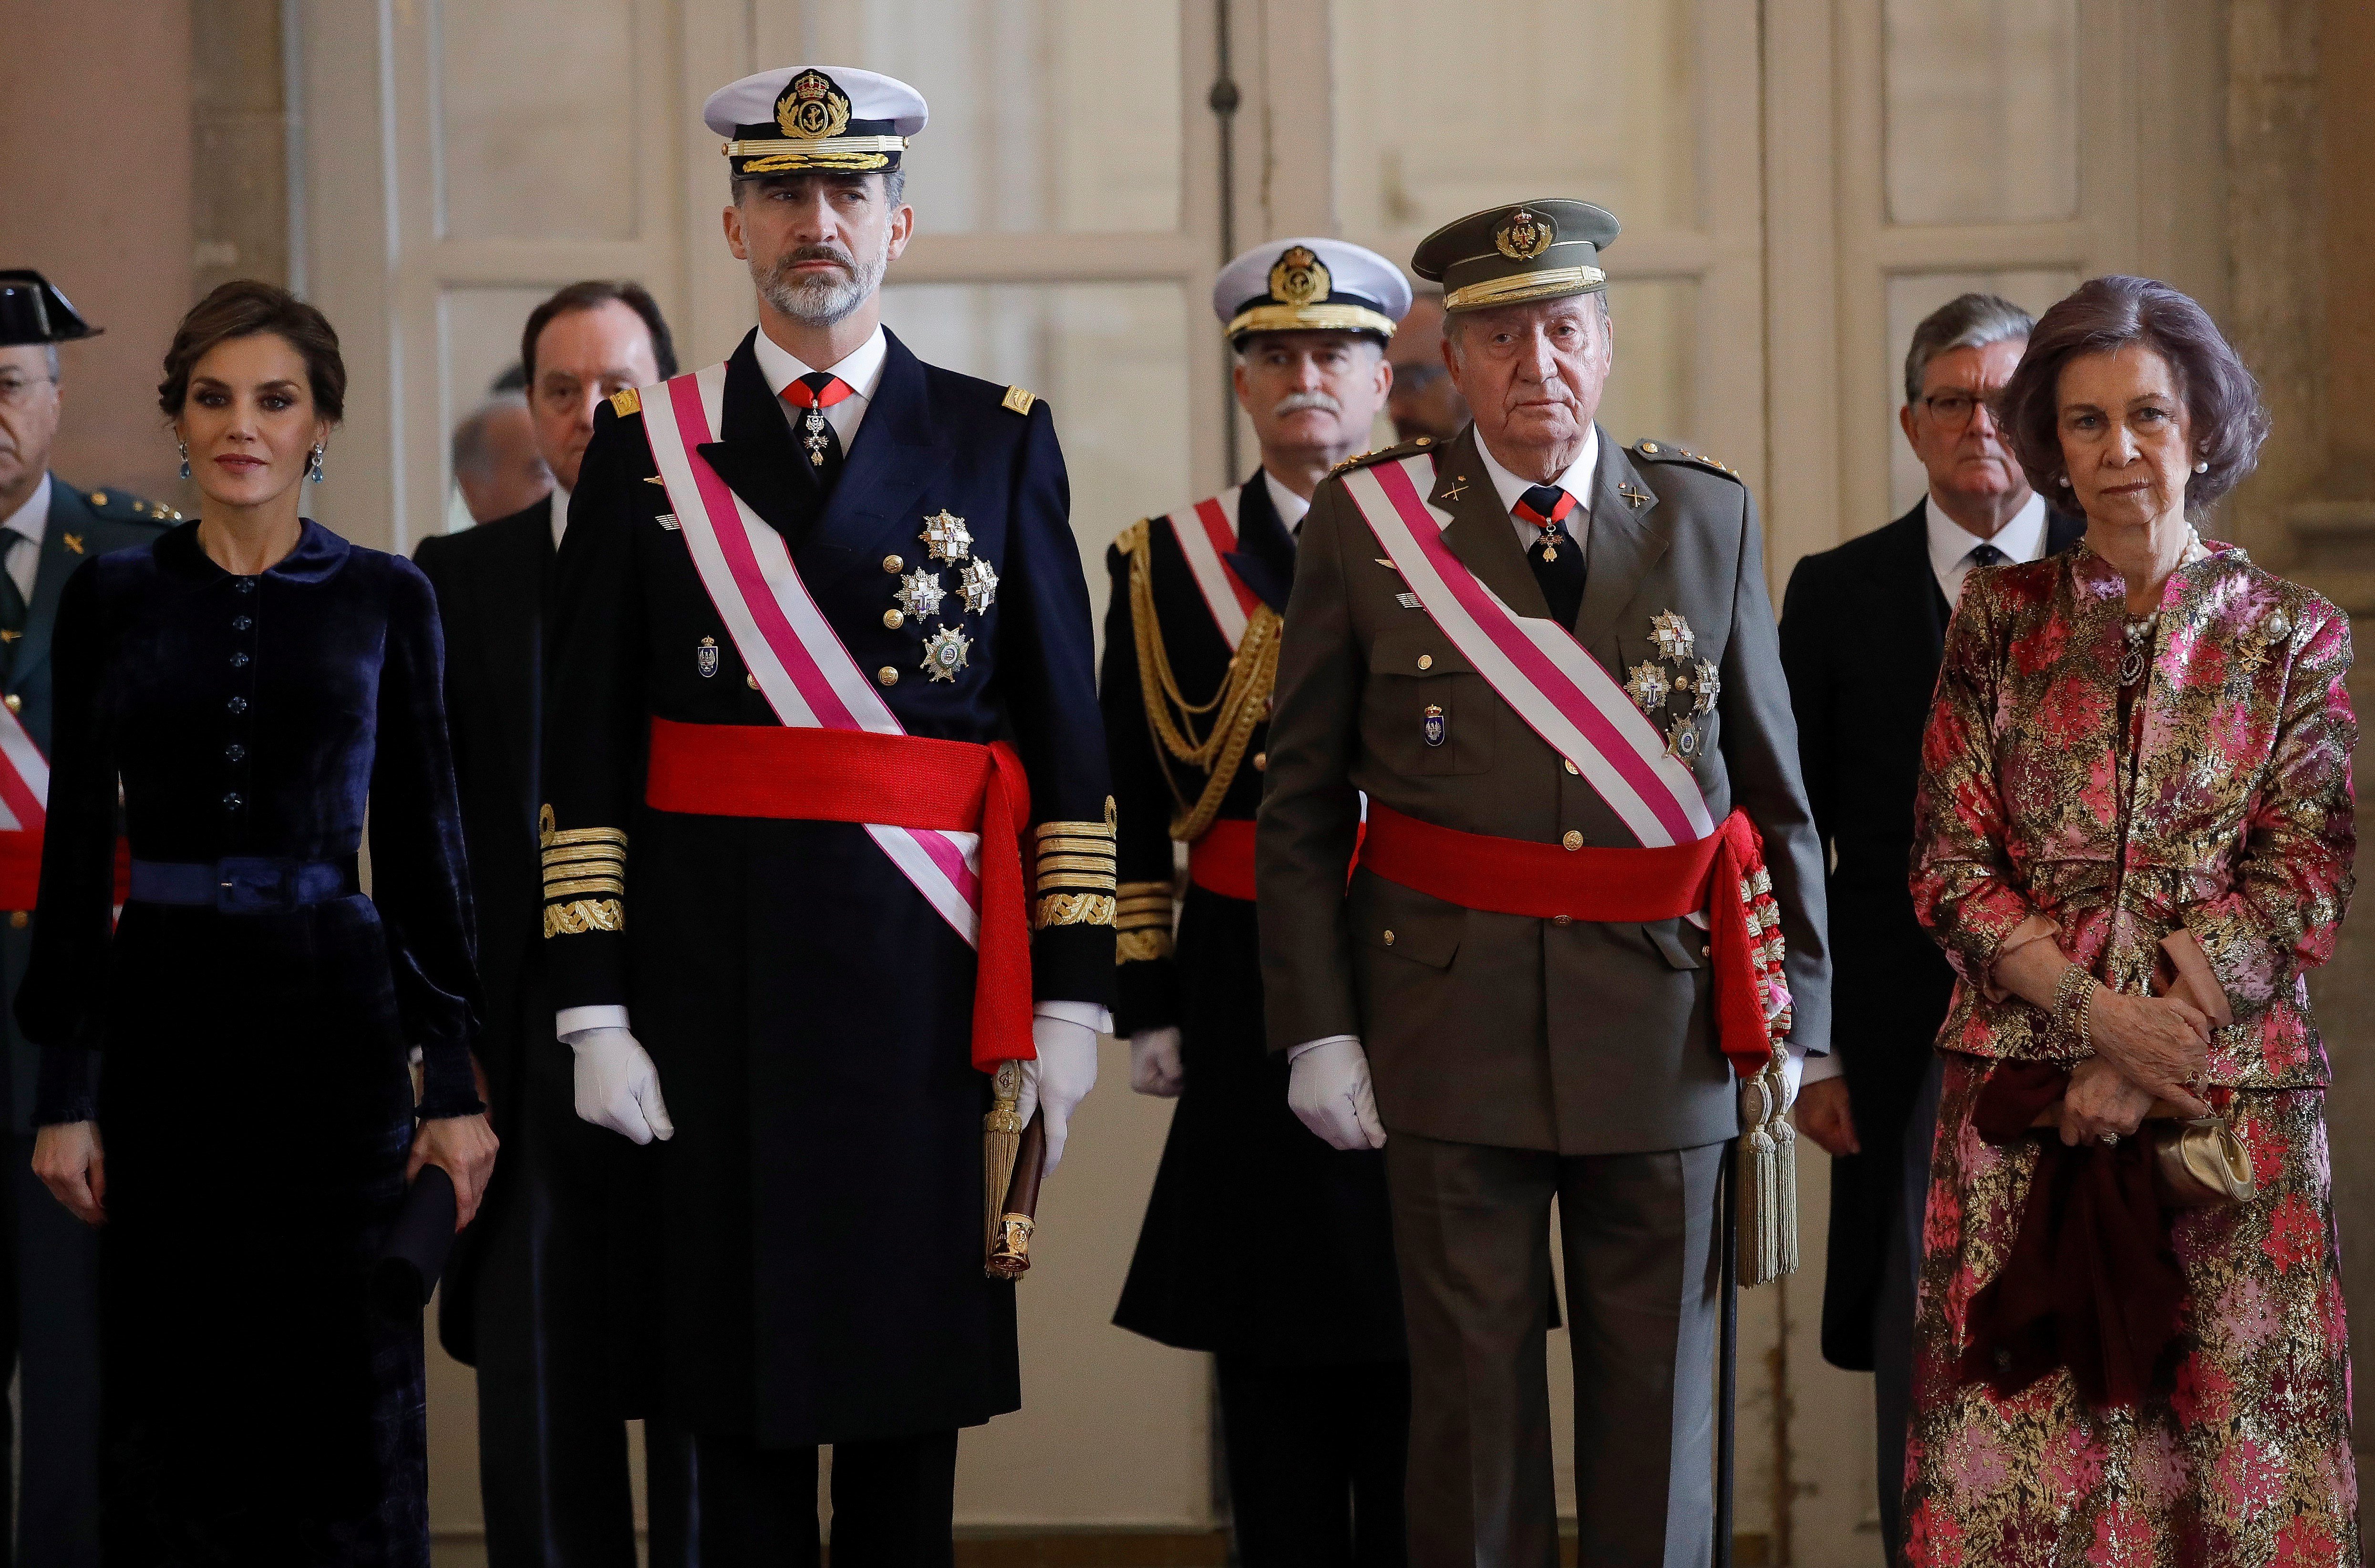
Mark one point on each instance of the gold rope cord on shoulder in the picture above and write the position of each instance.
(1237, 708)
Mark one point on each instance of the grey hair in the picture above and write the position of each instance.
(470, 452)
(57, 370)
(1966, 321)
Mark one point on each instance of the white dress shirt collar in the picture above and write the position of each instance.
(1289, 505)
(560, 511)
(1576, 481)
(1951, 544)
(860, 369)
(33, 521)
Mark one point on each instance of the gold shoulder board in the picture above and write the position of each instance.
(1384, 454)
(1666, 452)
(627, 401)
(1132, 539)
(1018, 399)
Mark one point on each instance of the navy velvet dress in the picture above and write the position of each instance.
(252, 1089)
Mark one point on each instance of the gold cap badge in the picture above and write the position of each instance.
(811, 107)
(1525, 234)
(1299, 278)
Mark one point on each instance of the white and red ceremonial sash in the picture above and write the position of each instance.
(1207, 531)
(802, 669)
(24, 812)
(1534, 665)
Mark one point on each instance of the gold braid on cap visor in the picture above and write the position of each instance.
(779, 155)
(1310, 318)
(1519, 287)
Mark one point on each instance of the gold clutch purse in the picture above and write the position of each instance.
(2198, 1162)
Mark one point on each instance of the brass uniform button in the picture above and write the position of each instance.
(1705, 951)
(1261, 762)
(16, 703)
(887, 676)
(19, 920)
(1427, 440)
(1572, 839)
(1562, 919)
(892, 563)
(1573, 771)
(1427, 661)
(98, 498)
(751, 681)
(894, 620)
(1389, 938)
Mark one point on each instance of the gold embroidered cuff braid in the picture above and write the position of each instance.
(1073, 909)
(1076, 867)
(582, 915)
(1139, 945)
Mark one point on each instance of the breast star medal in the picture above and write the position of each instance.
(944, 653)
(1645, 684)
(978, 582)
(1673, 635)
(920, 593)
(705, 658)
(1710, 686)
(1681, 740)
(946, 537)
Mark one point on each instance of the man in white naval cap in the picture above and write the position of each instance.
(822, 679)
(1302, 1311)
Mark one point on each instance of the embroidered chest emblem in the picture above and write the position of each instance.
(946, 537)
(705, 658)
(979, 584)
(945, 652)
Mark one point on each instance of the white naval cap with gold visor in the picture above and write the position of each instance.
(1310, 285)
(798, 118)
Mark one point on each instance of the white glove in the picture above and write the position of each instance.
(1328, 1089)
(1154, 1063)
(1059, 1081)
(618, 1088)
(1794, 1073)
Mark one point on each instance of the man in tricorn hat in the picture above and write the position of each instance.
(1304, 1315)
(828, 847)
(1586, 930)
(48, 1268)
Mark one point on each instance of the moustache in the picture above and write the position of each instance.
(832, 253)
(1296, 401)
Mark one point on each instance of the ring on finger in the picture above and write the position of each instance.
(2109, 1138)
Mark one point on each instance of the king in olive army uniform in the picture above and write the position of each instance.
(1519, 1059)
(49, 1275)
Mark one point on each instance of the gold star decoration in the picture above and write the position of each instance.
(944, 653)
(920, 593)
(947, 538)
(978, 582)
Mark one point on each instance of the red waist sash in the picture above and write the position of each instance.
(1223, 860)
(1721, 873)
(899, 781)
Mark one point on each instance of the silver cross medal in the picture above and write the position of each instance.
(816, 436)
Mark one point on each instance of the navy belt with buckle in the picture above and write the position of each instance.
(243, 884)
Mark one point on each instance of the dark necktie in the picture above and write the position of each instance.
(1556, 558)
(11, 602)
(1986, 555)
(814, 392)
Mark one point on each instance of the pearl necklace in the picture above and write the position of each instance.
(2138, 655)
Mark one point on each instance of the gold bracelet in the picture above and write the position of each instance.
(2073, 994)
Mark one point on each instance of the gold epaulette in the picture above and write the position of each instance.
(1384, 453)
(1132, 539)
(1076, 867)
(1667, 451)
(626, 401)
(579, 861)
(1142, 921)
(1019, 399)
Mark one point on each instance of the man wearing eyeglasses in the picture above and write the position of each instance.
(1862, 629)
(49, 1262)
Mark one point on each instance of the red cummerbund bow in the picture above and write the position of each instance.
(1546, 880)
(20, 869)
(898, 780)
(1223, 860)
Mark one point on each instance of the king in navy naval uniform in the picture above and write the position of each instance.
(806, 674)
(1305, 1318)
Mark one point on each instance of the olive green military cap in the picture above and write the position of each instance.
(1506, 256)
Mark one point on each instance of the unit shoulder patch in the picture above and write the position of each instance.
(626, 401)
(1019, 399)
(123, 506)
(1384, 454)
(1666, 452)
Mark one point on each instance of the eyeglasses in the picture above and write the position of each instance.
(17, 391)
(1953, 409)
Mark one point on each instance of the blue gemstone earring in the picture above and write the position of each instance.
(185, 457)
(314, 471)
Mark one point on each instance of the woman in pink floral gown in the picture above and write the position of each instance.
(2134, 839)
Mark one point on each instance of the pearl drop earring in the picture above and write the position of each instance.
(2065, 481)
(185, 457)
(2201, 468)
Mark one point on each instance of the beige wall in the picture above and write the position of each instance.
(2346, 65)
(94, 192)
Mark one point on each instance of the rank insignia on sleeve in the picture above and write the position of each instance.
(946, 537)
(920, 593)
(1673, 635)
(944, 653)
(705, 658)
(979, 584)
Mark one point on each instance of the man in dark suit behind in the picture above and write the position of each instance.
(524, 1300)
(1863, 628)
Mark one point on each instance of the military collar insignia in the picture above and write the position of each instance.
(812, 106)
(1525, 234)
(1634, 496)
(1299, 278)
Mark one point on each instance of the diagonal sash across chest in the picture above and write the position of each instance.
(801, 667)
(1207, 531)
(24, 812)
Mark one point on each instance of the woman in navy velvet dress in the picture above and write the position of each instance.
(224, 1080)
